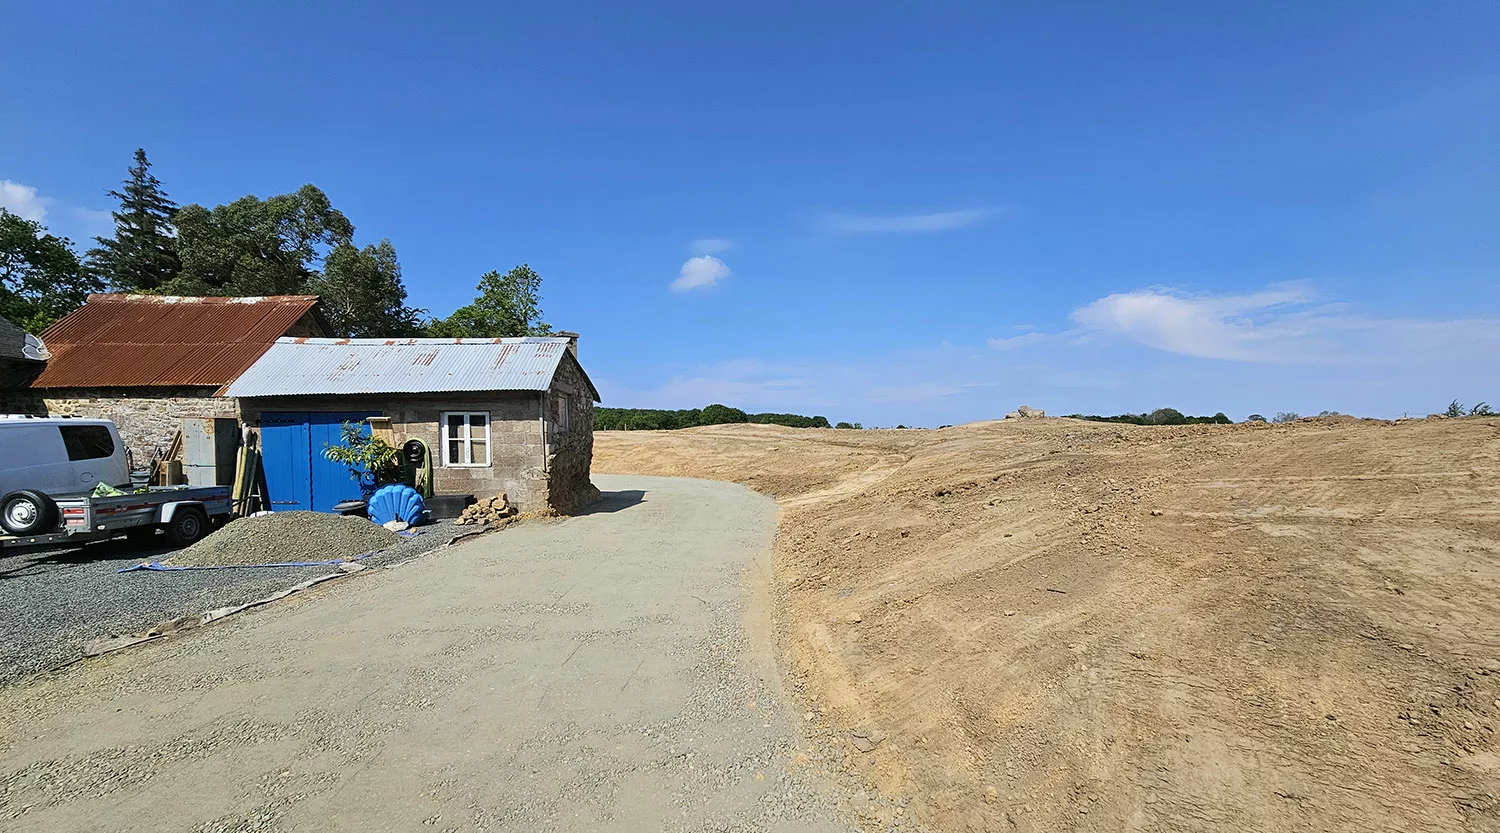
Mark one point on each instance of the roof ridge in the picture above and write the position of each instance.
(137, 298)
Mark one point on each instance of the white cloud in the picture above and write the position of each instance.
(710, 245)
(1253, 327)
(22, 201)
(96, 223)
(935, 221)
(700, 272)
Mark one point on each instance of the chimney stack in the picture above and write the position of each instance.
(572, 341)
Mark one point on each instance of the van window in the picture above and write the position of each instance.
(87, 442)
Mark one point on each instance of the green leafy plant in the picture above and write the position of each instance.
(1482, 409)
(366, 455)
(1455, 409)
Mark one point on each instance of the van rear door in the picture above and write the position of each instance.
(94, 455)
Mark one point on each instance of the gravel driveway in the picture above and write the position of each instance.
(587, 674)
(54, 601)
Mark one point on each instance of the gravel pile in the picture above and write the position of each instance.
(286, 537)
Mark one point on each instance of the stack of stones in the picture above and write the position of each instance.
(490, 511)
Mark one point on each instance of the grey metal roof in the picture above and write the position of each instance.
(302, 366)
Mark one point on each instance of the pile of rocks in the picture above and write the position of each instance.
(490, 511)
(1026, 412)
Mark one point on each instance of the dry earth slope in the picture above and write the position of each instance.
(1061, 625)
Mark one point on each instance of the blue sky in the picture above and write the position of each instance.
(889, 212)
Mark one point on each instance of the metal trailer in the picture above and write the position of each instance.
(184, 514)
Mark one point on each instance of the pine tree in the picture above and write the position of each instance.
(142, 255)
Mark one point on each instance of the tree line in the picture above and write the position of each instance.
(657, 419)
(288, 244)
(1160, 416)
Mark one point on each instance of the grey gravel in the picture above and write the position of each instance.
(52, 602)
(286, 537)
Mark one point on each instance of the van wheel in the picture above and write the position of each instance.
(25, 512)
(186, 527)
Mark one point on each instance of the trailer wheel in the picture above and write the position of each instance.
(25, 512)
(188, 524)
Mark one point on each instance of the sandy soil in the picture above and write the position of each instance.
(1061, 625)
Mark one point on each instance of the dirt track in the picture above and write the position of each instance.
(1064, 625)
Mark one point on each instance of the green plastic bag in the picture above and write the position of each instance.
(106, 490)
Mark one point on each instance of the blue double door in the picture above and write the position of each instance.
(298, 476)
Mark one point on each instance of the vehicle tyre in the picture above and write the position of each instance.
(141, 534)
(26, 512)
(186, 527)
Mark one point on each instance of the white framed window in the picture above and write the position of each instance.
(466, 438)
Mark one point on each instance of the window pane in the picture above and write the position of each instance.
(87, 442)
(479, 424)
(455, 427)
(454, 452)
(481, 452)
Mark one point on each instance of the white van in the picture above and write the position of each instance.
(60, 456)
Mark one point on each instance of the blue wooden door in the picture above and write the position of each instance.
(284, 454)
(298, 476)
(332, 483)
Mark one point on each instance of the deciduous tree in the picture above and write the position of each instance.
(508, 305)
(41, 279)
(362, 292)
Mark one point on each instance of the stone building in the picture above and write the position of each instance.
(511, 415)
(147, 361)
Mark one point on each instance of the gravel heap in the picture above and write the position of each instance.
(284, 537)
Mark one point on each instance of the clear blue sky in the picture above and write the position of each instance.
(916, 212)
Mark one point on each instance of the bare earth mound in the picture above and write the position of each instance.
(1063, 625)
(286, 537)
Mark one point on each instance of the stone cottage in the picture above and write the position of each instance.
(513, 415)
(147, 361)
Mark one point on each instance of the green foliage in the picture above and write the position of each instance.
(723, 414)
(1455, 409)
(1482, 409)
(364, 453)
(257, 247)
(142, 254)
(40, 276)
(1160, 416)
(362, 293)
(1255, 418)
(1285, 417)
(508, 306)
(654, 419)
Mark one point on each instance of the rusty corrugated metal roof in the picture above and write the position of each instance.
(331, 366)
(164, 341)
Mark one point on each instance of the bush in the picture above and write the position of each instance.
(1286, 416)
(1482, 409)
(1255, 418)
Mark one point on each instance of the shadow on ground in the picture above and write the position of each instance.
(614, 502)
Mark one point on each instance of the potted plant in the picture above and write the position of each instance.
(372, 462)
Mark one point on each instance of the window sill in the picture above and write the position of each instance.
(467, 465)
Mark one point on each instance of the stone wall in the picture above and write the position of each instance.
(570, 451)
(148, 418)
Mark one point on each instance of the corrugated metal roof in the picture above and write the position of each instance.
(152, 340)
(315, 366)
